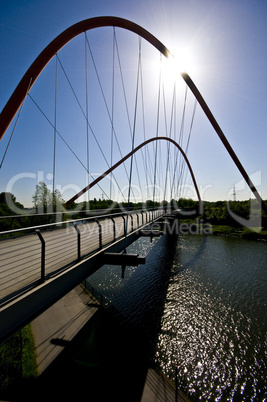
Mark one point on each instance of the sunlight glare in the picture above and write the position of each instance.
(179, 61)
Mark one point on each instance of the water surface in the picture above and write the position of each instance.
(202, 300)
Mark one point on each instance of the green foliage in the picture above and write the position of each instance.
(225, 230)
(29, 364)
(9, 205)
(46, 201)
(9, 208)
(17, 359)
(186, 203)
(217, 213)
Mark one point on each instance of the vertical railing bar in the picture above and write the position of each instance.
(114, 228)
(124, 224)
(42, 254)
(78, 241)
(131, 221)
(100, 233)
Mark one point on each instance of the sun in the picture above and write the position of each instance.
(184, 60)
(180, 60)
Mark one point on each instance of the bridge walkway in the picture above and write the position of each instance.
(21, 302)
(38, 253)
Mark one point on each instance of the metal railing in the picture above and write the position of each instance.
(29, 256)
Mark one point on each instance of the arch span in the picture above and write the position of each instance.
(222, 137)
(58, 43)
(93, 183)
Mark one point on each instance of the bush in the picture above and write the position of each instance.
(17, 359)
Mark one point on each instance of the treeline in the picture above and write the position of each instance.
(9, 207)
(113, 205)
(228, 213)
(49, 207)
(6, 201)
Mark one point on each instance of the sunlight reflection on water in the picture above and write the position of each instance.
(212, 325)
(219, 350)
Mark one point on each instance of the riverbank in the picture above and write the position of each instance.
(197, 226)
(243, 233)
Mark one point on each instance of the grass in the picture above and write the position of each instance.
(244, 233)
(17, 359)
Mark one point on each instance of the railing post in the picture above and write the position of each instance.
(114, 228)
(131, 221)
(142, 218)
(124, 224)
(78, 241)
(100, 233)
(42, 254)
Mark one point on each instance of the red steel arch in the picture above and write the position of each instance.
(93, 183)
(50, 51)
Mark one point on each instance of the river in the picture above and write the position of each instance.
(202, 301)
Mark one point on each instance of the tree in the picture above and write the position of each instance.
(57, 201)
(9, 205)
(42, 198)
(45, 201)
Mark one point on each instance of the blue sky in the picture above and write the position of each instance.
(227, 44)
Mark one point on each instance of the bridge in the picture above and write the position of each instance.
(47, 261)
(40, 264)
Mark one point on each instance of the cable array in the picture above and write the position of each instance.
(159, 173)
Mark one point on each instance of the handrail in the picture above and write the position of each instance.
(26, 261)
(74, 220)
(66, 212)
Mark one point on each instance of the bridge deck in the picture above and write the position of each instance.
(34, 272)
(20, 257)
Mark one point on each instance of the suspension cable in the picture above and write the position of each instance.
(80, 106)
(15, 125)
(87, 117)
(181, 136)
(104, 98)
(138, 83)
(157, 131)
(99, 146)
(55, 133)
(62, 138)
(168, 145)
(166, 130)
(112, 108)
(144, 131)
(134, 123)
(180, 141)
(183, 179)
(126, 103)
